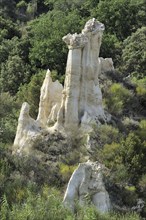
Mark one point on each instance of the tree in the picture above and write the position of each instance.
(121, 17)
(111, 47)
(8, 116)
(133, 151)
(117, 98)
(47, 48)
(8, 29)
(15, 67)
(31, 93)
(64, 5)
(134, 54)
(8, 9)
(13, 73)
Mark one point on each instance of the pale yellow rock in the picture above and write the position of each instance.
(77, 106)
(82, 98)
(50, 100)
(86, 183)
(105, 64)
(27, 130)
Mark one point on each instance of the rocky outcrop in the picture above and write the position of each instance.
(50, 101)
(82, 97)
(76, 107)
(86, 184)
(27, 131)
(70, 110)
(106, 65)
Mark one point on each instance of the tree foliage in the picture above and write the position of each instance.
(15, 67)
(8, 116)
(121, 17)
(48, 49)
(31, 93)
(117, 98)
(134, 54)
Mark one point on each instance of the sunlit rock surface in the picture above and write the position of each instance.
(106, 65)
(86, 185)
(75, 108)
(27, 130)
(50, 100)
(82, 97)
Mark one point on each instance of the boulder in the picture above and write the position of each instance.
(27, 131)
(86, 185)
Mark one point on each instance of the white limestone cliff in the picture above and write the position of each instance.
(87, 183)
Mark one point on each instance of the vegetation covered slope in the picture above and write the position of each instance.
(31, 41)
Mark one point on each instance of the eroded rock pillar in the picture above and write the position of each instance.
(70, 103)
(91, 97)
(50, 100)
(82, 97)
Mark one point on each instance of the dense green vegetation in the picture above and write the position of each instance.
(30, 42)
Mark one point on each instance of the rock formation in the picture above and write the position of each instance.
(50, 101)
(71, 110)
(86, 183)
(77, 106)
(27, 131)
(82, 97)
(106, 65)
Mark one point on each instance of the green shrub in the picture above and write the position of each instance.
(31, 93)
(142, 130)
(21, 4)
(133, 54)
(106, 134)
(111, 156)
(66, 171)
(142, 183)
(117, 98)
(130, 195)
(140, 85)
(48, 206)
(133, 151)
(8, 115)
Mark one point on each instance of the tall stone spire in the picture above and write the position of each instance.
(82, 98)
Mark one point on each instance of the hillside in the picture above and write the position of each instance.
(31, 42)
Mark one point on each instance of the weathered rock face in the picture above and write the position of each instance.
(27, 130)
(73, 109)
(105, 64)
(87, 183)
(76, 107)
(50, 101)
(82, 97)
